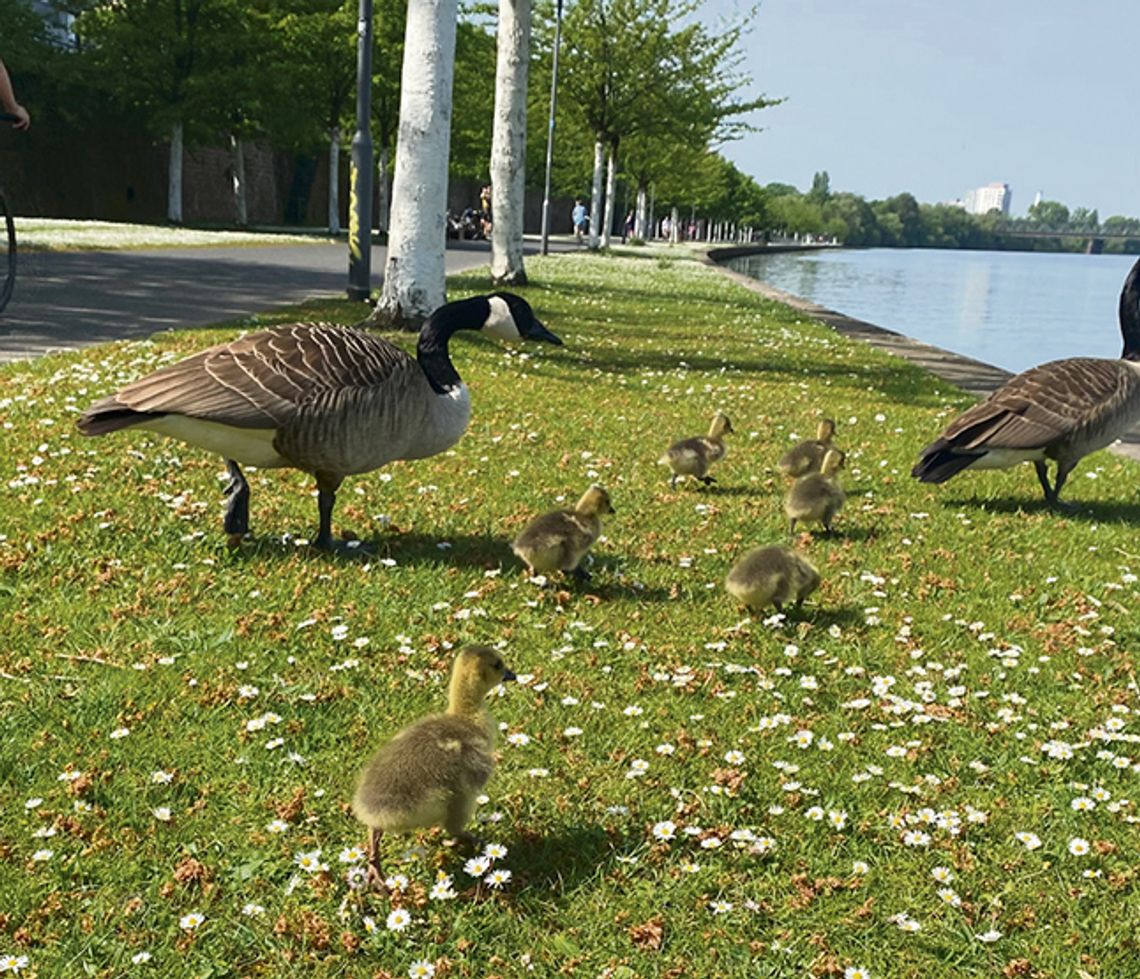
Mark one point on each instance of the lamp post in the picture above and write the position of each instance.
(360, 179)
(550, 130)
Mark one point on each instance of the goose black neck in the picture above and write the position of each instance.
(432, 352)
(1130, 314)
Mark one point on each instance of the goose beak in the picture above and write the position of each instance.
(537, 331)
(508, 675)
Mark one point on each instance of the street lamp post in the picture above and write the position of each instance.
(360, 181)
(550, 130)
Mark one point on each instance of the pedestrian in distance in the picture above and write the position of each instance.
(580, 218)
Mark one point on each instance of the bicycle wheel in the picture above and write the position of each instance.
(8, 266)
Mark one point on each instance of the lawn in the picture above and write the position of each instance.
(929, 771)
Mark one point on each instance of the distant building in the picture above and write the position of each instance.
(991, 197)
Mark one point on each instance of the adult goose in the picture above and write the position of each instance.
(1062, 410)
(325, 399)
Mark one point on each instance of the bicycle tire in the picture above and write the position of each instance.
(9, 266)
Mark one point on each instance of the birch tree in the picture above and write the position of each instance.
(508, 146)
(414, 274)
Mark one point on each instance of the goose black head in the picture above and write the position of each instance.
(511, 318)
(1130, 314)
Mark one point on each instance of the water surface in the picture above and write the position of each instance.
(1012, 309)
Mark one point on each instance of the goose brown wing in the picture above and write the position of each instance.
(259, 381)
(1043, 404)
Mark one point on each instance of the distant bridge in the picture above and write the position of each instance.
(1095, 239)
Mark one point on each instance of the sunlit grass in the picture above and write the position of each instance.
(68, 234)
(683, 790)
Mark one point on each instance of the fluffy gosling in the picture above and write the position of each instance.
(430, 773)
(771, 576)
(692, 457)
(557, 541)
(817, 496)
(807, 456)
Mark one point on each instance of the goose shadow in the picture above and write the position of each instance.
(445, 550)
(1093, 511)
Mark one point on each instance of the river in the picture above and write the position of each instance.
(1010, 309)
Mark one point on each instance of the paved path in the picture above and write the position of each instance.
(65, 300)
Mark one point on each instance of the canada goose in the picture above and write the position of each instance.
(807, 456)
(1062, 410)
(817, 496)
(771, 576)
(326, 399)
(557, 541)
(692, 457)
(429, 773)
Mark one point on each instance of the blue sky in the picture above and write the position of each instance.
(938, 97)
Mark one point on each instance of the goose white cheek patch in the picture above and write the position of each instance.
(500, 323)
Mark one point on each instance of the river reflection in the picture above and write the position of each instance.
(1012, 309)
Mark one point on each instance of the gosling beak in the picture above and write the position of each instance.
(539, 332)
(508, 675)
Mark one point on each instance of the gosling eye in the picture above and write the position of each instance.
(499, 665)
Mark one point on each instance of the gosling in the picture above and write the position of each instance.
(807, 456)
(692, 457)
(557, 541)
(817, 496)
(771, 576)
(430, 773)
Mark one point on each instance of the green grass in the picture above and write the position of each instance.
(1002, 626)
(67, 234)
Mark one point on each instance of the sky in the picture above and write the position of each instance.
(937, 98)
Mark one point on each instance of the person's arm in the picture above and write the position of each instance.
(9, 103)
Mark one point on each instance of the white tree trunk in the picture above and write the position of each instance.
(382, 190)
(641, 214)
(334, 180)
(611, 193)
(674, 227)
(241, 196)
(414, 274)
(596, 192)
(508, 144)
(174, 176)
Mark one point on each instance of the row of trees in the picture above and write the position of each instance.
(901, 221)
(646, 94)
(644, 87)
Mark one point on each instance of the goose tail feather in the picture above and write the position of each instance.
(105, 417)
(939, 462)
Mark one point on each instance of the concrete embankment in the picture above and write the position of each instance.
(971, 375)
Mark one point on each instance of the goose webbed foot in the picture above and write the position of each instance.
(236, 520)
(581, 574)
(707, 480)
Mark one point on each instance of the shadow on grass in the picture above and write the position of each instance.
(1093, 511)
(560, 861)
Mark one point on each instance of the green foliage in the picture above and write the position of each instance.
(172, 703)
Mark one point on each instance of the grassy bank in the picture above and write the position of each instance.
(898, 779)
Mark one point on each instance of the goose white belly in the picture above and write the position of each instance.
(249, 446)
(1004, 458)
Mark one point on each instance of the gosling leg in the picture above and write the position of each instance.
(375, 877)
(236, 521)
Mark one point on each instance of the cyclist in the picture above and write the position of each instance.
(8, 101)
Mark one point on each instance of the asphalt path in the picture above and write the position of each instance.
(65, 300)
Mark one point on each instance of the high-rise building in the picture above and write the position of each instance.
(991, 197)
